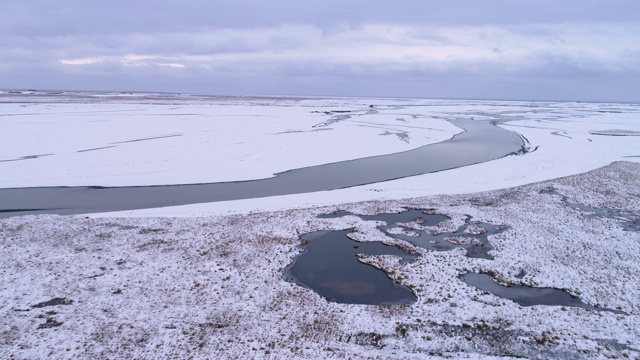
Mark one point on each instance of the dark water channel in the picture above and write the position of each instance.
(406, 216)
(630, 220)
(480, 142)
(471, 236)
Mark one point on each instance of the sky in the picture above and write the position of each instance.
(572, 50)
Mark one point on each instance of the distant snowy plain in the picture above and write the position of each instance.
(208, 280)
(151, 139)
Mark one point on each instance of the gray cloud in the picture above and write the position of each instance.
(571, 50)
(42, 17)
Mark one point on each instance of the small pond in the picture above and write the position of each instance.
(330, 267)
(527, 295)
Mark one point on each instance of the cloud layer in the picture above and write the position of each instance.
(587, 50)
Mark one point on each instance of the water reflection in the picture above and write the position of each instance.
(330, 267)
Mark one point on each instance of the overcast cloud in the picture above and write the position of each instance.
(537, 50)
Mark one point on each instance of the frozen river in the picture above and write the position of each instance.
(481, 141)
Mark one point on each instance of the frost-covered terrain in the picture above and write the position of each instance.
(215, 287)
(210, 280)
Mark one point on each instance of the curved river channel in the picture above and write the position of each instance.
(480, 142)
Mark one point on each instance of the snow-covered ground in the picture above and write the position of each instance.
(182, 142)
(209, 280)
(215, 287)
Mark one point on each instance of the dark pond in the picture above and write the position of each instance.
(526, 295)
(330, 267)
